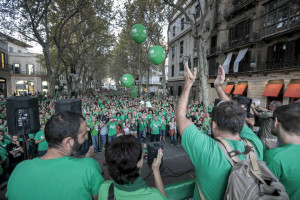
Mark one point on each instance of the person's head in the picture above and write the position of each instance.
(155, 118)
(123, 157)
(274, 104)
(65, 130)
(227, 117)
(287, 118)
(14, 139)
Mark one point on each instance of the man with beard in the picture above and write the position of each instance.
(58, 175)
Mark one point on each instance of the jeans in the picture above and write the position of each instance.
(110, 138)
(174, 139)
(95, 142)
(103, 140)
(162, 132)
(156, 137)
(142, 135)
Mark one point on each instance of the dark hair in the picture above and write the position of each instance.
(229, 116)
(289, 117)
(62, 125)
(122, 155)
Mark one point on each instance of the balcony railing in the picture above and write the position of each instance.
(279, 64)
(213, 51)
(282, 19)
(6, 66)
(26, 73)
(240, 4)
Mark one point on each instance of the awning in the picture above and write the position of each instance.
(227, 63)
(272, 90)
(239, 89)
(240, 56)
(292, 91)
(228, 89)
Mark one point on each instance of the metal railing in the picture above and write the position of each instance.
(6, 66)
(279, 64)
(236, 7)
(26, 73)
(213, 50)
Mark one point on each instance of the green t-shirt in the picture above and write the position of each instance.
(142, 124)
(211, 165)
(284, 162)
(43, 145)
(146, 193)
(112, 128)
(163, 127)
(95, 129)
(155, 125)
(60, 179)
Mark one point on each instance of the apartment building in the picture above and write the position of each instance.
(258, 44)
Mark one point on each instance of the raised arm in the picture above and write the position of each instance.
(180, 114)
(157, 178)
(218, 84)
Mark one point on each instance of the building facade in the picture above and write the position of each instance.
(4, 68)
(26, 74)
(258, 44)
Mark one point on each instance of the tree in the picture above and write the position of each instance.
(201, 31)
(50, 23)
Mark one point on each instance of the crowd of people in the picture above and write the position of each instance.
(121, 126)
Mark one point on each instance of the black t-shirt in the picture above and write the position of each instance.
(14, 158)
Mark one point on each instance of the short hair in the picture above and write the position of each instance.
(121, 156)
(62, 125)
(276, 104)
(229, 116)
(289, 117)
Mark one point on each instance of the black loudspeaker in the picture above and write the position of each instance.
(22, 113)
(73, 105)
(153, 148)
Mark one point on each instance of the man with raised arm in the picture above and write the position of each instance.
(211, 165)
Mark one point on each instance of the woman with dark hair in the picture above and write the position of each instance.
(124, 160)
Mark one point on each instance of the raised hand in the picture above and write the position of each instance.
(157, 161)
(220, 77)
(189, 77)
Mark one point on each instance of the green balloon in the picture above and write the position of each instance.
(139, 33)
(157, 55)
(127, 80)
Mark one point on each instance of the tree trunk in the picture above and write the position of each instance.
(148, 80)
(164, 82)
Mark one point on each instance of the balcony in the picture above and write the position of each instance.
(279, 64)
(281, 21)
(26, 73)
(213, 51)
(5, 67)
(238, 6)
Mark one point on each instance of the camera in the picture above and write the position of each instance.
(105, 119)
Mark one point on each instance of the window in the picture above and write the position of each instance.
(19, 51)
(197, 11)
(239, 34)
(2, 60)
(44, 83)
(179, 90)
(171, 90)
(173, 52)
(17, 69)
(181, 47)
(174, 31)
(182, 23)
(181, 67)
(172, 71)
(29, 69)
(213, 42)
(11, 49)
(195, 62)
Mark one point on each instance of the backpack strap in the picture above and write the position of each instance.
(253, 158)
(227, 149)
(111, 193)
(199, 190)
